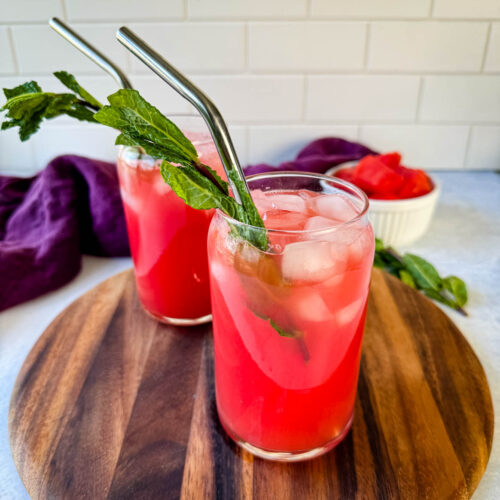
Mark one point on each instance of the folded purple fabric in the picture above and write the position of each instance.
(46, 222)
(73, 206)
(318, 157)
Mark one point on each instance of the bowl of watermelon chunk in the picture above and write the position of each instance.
(402, 199)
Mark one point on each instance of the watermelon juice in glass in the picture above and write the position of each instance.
(288, 322)
(168, 239)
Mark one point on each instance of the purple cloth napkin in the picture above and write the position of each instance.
(46, 222)
(318, 156)
(74, 207)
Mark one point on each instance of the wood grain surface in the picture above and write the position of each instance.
(112, 404)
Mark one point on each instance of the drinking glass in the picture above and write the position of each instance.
(288, 321)
(167, 237)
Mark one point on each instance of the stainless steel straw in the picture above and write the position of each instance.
(91, 52)
(195, 96)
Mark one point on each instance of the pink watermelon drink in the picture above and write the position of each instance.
(167, 237)
(288, 323)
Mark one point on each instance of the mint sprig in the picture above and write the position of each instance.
(27, 106)
(422, 275)
(140, 124)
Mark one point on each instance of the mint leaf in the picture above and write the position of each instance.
(457, 288)
(423, 272)
(69, 81)
(130, 113)
(27, 106)
(406, 277)
(209, 172)
(281, 331)
(25, 88)
(197, 190)
(421, 275)
(298, 336)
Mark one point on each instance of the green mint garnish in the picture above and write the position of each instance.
(27, 106)
(422, 275)
(140, 124)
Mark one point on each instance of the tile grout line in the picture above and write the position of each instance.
(486, 47)
(468, 141)
(305, 89)
(246, 48)
(419, 99)
(431, 10)
(10, 37)
(366, 48)
(64, 9)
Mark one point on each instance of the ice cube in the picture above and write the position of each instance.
(262, 201)
(318, 222)
(309, 261)
(309, 306)
(162, 188)
(290, 202)
(284, 220)
(350, 312)
(132, 202)
(334, 206)
(355, 239)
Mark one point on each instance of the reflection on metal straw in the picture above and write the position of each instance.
(91, 52)
(195, 96)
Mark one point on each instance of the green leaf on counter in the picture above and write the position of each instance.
(423, 272)
(457, 288)
(421, 275)
(407, 278)
(379, 245)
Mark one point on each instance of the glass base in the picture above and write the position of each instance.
(180, 321)
(296, 456)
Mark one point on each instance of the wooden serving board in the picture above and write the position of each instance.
(112, 404)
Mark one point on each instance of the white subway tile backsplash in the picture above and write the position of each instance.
(158, 93)
(427, 46)
(7, 65)
(461, 98)
(94, 141)
(246, 9)
(250, 98)
(123, 10)
(420, 76)
(484, 148)
(278, 143)
(422, 146)
(467, 9)
(196, 47)
(306, 46)
(25, 11)
(492, 62)
(56, 53)
(362, 98)
(370, 8)
(239, 136)
(16, 158)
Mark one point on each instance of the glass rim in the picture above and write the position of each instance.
(321, 177)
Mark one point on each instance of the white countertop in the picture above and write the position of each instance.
(464, 239)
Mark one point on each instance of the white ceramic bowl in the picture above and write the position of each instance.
(400, 222)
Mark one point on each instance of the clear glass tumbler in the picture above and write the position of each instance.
(168, 238)
(288, 321)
